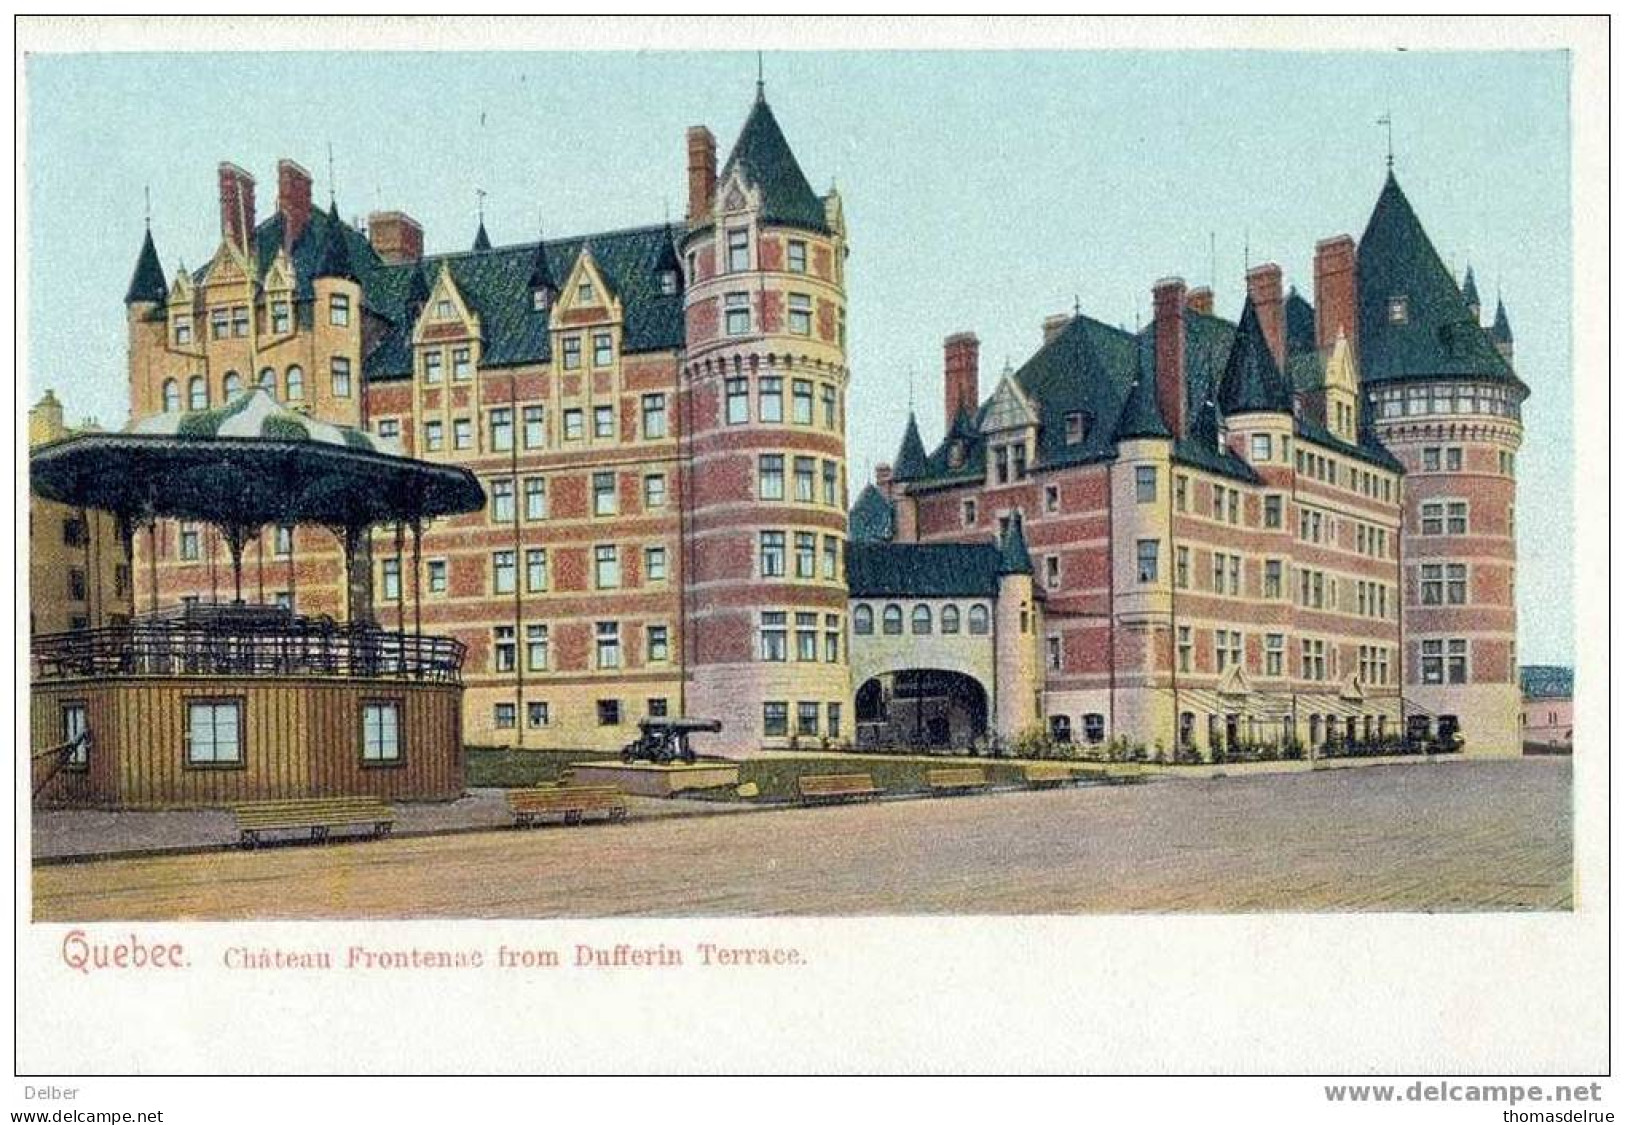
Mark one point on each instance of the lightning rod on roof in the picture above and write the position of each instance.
(1387, 120)
(332, 186)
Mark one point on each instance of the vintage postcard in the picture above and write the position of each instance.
(772, 525)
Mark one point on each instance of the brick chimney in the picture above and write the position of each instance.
(1055, 325)
(1336, 299)
(236, 205)
(1168, 340)
(1200, 300)
(961, 375)
(702, 172)
(292, 201)
(883, 478)
(397, 236)
(1264, 287)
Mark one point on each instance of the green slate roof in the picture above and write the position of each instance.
(1140, 417)
(763, 156)
(1546, 681)
(872, 519)
(1469, 290)
(1300, 323)
(922, 570)
(1013, 555)
(910, 463)
(482, 241)
(147, 283)
(1501, 331)
(335, 260)
(1439, 336)
(1251, 381)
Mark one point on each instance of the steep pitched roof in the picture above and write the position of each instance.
(763, 157)
(147, 283)
(871, 519)
(1300, 324)
(922, 570)
(335, 260)
(541, 270)
(1251, 380)
(1501, 331)
(910, 463)
(482, 241)
(1013, 555)
(1140, 417)
(1469, 290)
(1437, 336)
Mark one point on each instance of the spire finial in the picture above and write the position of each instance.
(1212, 260)
(911, 390)
(1246, 248)
(146, 193)
(479, 196)
(1387, 121)
(332, 186)
(1077, 306)
(761, 84)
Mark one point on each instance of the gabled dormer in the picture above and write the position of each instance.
(278, 285)
(1342, 391)
(447, 319)
(586, 318)
(1010, 428)
(228, 268)
(184, 331)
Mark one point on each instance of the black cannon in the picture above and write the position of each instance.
(666, 740)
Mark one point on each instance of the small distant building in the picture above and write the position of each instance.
(1548, 708)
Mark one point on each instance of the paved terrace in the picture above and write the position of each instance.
(1446, 836)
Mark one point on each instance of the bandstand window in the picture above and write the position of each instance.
(891, 621)
(950, 619)
(921, 622)
(863, 621)
(214, 732)
(75, 721)
(380, 732)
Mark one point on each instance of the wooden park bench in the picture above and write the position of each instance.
(957, 779)
(572, 802)
(317, 815)
(836, 786)
(1046, 775)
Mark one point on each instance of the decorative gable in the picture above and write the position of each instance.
(446, 315)
(1342, 391)
(736, 196)
(1351, 689)
(586, 297)
(228, 267)
(279, 277)
(1233, 681)
(1008, 409)
(182, 292)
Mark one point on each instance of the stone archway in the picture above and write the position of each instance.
(921, 707)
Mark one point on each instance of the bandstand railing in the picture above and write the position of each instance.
(245, 641)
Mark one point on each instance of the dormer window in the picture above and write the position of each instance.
(281, 319)
(1398, 310)
(1076, 427)
(668, 283)
(183, 330)
(584, 295)
(442, 310)
(539, 299)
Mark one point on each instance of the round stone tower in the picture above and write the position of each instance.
(763, 401)
(1443, 397)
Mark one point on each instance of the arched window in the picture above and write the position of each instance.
(296, 383)
(863, 621)
(921, 622)
(231, 384)
(978, 620)
(891, 621)
(197, 393)
(172, 396)
(950, 619)
(268, 379)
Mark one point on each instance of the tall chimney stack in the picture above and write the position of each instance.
(1264, 288)
(1336, 299)
(961, 375)
(702, 172)
(292, 201)
(1200, 300)
(397, 236)
(1168, 344)
(236, 205)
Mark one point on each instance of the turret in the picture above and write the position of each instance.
(147, 286)
(1019, 625)
(482, 241)
(544, 287)
(1469, 293)
(1501, 331)
(336, 320)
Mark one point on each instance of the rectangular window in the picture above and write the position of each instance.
(654, 564)
(832, 558)
(1184, 648)
(535, 498)
(1432, 584)
(832, 486)
(536, 577)
(381, 732)
(804, 479)
(1456, 517)
(75, 721)
(502, 430)
(604, 502)
(338, 310)
(573, 424)
(190, 543)
(1274, 653)
(659, 644)
(603, 421)
(461, 364)
(1052, 498)
(1263, 447)
(1182, 567)
(1052, 571)
(800, 315)
(801, 402)
(535, 427)
(502, 501)
(214, 732)
(536, 648)
(795, 256)
(391, 579)
(967, 513)
(1145, 552)
(609, 712)
(654, 491)
(1235, 575)
(341, 376)
(282, 541)
(536, 715)
(654, 417)
(1001, 464)
(462, 433)
(770, 399)
(504, 716)
(389, 428)
(775, 719)
(432, 366)
(1452, 459)
(1455, 578)
(806, 719)
(606, 566)
(807, 636)
(239, 321)
(183, 329)
(832, 638)
(1272, 578)
(437, 576)
(502, 572)
(773, 637)
(770, 476)
(281, 319)
(826, 392)
(738, 395)
(772, 554)
(806, 554)
(1433, 518)
(1181, 493)
(219, 323)
(736, 313)
(834, 711)
(738, 251)
(607, 635)
(572, 352)
(1272, 511)
(1145, 484)
(603, 349)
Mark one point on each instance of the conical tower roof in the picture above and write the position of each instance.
(147, 283)
(482, 241)
(1414, 321)
(1013, 555)
(541, 270)
(910, 463)
(1469, 290)
(1501, 332)
(1140, 417)
(335, 260)
(871, 519)
(1251, 381)
(763, 158)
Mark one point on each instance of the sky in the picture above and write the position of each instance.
(984, 191)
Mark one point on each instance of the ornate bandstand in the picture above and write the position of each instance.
(211, 705)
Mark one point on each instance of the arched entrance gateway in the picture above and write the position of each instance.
(923, 707)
